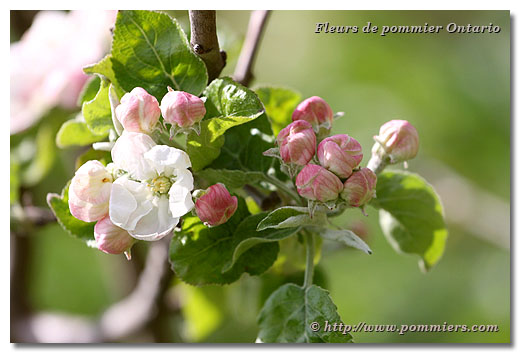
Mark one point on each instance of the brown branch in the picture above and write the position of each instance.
(204, 41)
(243, 71)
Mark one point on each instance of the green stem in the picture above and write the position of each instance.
(309, 264)
(280, 185)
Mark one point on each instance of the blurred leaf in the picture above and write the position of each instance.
(60, 207)
(228, 104)
(97, 112)
(103, 156)
(289, 312)
(290, 216)
(346, 237)
(14, 176)
(75, 132)
(44, 158)
(411, 215)
(198, 253)
(89, 90)
(279, 103)
(233, 179)
(150, 50)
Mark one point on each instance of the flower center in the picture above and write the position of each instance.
(160, 185)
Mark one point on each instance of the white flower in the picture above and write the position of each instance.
(156, 192)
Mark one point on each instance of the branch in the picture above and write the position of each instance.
(204, 41)
(243, 70)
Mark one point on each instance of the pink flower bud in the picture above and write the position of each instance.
(316, 183)
(398, 140)
(315, 111)
(297, 142)
(89, 192)
(360, 187)
(182, 109)
(110, 238)
(340, 154)
(139, 111)
(216, 205)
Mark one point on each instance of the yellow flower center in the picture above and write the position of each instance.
(160, 185)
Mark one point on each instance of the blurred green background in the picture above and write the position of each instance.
(455, 88)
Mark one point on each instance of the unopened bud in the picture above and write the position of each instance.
(315, 111)
(216, 205)
(182, 109)
(110, 238)
(360, 187)
(397, 140)
(89, 192)
(316, 183)
(139, 111)
(340, 154)
(297, 143)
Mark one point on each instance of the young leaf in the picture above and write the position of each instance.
(348, 238)
(290, 216)
(198, 254)
(150, 50)
(59, 205)
(279, 103)
(233, 179)
(90, 155)
(228, 104)
(104, 68)
(75, 132)
(97, 113)
(290, 311)
(89, 90)
(411, 215)
(265, 236)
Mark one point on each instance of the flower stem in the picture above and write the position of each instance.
(309, 264)
(377, 164)
(281, 185)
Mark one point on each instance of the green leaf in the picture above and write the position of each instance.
(150, 50)
(60, 207)
(89, 90)
(346, 237)
(198, 254)
(94, 155)
(75, 132)
(279, 103)
(257, 237)
(104, 68)
(45, 155)
(97, 112)
(288, 313)
(14, 181)
(411, 216)
(228, 104)
(290, 216)
(233, 179)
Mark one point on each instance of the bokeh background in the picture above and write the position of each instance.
(455, 88)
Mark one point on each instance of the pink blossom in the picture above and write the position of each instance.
(316, 183)
(360, 187)
(397, 139)
(110, 238)
(139, 111)
(340, 154)
(182, 109)
(315, 111)
(216, 205)
(297, 142)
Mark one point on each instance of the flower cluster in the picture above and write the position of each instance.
(148, 187)
(330, 165)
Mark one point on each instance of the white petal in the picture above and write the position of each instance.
(129, 202)
(128, 154)
(184, 178)
(164, 159)
(180, 200)
(156, 224)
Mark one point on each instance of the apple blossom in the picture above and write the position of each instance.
(398, 140)
(359, 188)
(216, 205)
(89, 192)
(297, 142)
(340, 154)
(315, 111)
(139, 111)
(156, 191)
(111, 239)
(182, 109)
(316, 183)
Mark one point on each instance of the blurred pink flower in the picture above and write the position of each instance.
(47, 63)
